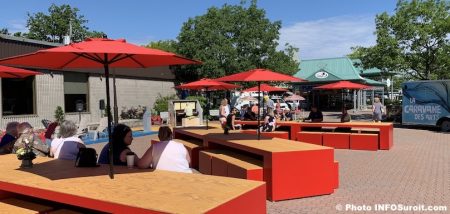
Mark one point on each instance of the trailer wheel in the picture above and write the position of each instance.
(445, 125)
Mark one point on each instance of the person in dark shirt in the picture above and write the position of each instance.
(8, 140)
(121, 140)
(345, 117)
(230, 121)
(287, 115)
(315, 115)
(249, 114)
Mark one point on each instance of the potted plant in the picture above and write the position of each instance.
(25, 152)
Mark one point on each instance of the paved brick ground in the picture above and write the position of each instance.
(416, 171)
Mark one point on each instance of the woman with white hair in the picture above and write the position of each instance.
(67, 146)
(8, 140)
(377, 109)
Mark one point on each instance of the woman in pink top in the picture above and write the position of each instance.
(166, 154)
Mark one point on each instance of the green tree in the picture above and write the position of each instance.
(4, 31)
(54, 26)
(165, 45)
(162, 103)
(413, 41)
(232, 39)
(59, 114)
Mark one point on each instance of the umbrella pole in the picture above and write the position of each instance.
(259, 106)
(108, 112)
(116, 110)
(207, 108)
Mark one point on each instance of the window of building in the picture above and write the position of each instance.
(75, 92)
(18, 96)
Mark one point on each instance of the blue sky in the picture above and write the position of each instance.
(320, 28)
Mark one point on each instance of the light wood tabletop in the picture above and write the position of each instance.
(153, 190)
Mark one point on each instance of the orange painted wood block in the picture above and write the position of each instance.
(364, 142)
(310, 137)
(219, 166)
(277, 134)
(204, 162)
(336, 140)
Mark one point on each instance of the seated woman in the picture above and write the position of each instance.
(121, 139)
(230, 125)
(67, 146)
(166, 154)
(269, 122)
(8, 140)
(287, 115)
(249, 114)
(345, 117)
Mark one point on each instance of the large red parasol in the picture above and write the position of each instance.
(259, 75)
(265, 87)
(10, 72)
(207, 85)
(99, 53)
(342, 85)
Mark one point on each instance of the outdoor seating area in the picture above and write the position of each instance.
(59, 182)
(362, 135)
(289, 168)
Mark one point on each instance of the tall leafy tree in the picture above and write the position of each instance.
(54, 26)
(165, 45)
(232, 39)
(4, 31)
(413, 41)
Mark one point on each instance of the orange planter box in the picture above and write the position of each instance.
(364, 142)
(277, 134)
(310, 137)
(336, 140)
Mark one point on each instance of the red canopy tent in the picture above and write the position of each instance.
(99, 53)
(207, 85)
(342, 85)
(265, 87)
(259, 75)
(10, 72)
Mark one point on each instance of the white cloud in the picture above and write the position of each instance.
(17, 26)
(330, 37)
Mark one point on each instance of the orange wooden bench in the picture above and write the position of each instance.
(310, 137)
(226, 163)
(336, 140)
(277, 134)
(364, 141)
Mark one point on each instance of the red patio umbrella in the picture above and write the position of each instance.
(265, 87)
(10, 72)
(342, 85)
(207, 85)
(259, 75)
(99, 53)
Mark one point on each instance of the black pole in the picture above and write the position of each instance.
(108, 112)
(116, 110)
(207, 107)
(259, 106)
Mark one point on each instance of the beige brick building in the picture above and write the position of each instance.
(35, 98)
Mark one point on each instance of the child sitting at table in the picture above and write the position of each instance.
(167, 154)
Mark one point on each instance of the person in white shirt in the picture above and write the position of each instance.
(166, 155)
(67, 146)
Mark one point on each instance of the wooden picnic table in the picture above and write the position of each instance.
(386, 130)
(132, 190)
(291, 169)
